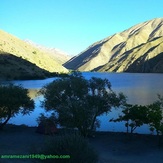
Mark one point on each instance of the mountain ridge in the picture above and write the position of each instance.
(118, 52)
(10, 44)
(20, 60)
(57, 54)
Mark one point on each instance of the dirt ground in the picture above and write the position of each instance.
(112, 147)
(123, 148)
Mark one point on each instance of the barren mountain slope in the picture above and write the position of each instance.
(13, 45)
(133, 50)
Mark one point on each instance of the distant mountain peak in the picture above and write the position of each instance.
(57, 54)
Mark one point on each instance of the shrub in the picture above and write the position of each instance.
(34, 52)
(73, 145)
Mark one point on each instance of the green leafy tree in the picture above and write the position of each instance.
(79, 102)
(155, 117)
(13, 100)
(134, 116)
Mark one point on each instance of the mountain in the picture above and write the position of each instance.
(13, 49)
(57, 54)
(13, 67)
(137, 49)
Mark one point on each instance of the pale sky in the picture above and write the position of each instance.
(73, 25)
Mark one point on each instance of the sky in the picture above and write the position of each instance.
(73, 25)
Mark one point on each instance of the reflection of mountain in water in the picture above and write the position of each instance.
(33, 93)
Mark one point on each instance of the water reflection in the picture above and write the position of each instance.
(33, 93)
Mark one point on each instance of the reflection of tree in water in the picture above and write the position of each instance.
(33, 93)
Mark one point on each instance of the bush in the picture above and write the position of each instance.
(74, 145)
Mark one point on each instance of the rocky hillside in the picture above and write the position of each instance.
(137, 49)
(12, 49)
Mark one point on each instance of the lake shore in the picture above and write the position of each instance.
(112, 147)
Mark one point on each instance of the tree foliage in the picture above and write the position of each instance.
(155, 116)
(79, 102)
(134, 116)
(137, 115)
(13, 100)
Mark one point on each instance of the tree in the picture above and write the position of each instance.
(13, 100)
(134, 115)
(155, 117)
(78, 102)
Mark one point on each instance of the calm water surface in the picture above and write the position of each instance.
(139, 88)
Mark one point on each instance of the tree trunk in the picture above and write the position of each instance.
(5, 122)
(93, 122)
(133, 129)
(127, 126)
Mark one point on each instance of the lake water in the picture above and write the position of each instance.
(139, 88)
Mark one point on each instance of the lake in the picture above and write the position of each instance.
(140, 88)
